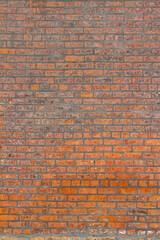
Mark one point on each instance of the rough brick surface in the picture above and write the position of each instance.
(79, 119)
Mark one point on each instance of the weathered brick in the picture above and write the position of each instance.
(79, 120)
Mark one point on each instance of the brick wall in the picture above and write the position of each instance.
(79, 119)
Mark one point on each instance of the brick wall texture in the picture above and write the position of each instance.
(79, 119)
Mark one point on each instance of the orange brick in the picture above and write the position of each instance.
(74, 58)
(79, 120)
(68, 191)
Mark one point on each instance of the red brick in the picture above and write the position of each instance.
(79, 119)
(68, 191)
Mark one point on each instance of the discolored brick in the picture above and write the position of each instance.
(79, 120)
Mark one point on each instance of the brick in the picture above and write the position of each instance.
(117, 225)
(67, 191)
(74, 58)
(79, 120)
(113, 155)
(152, 142)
